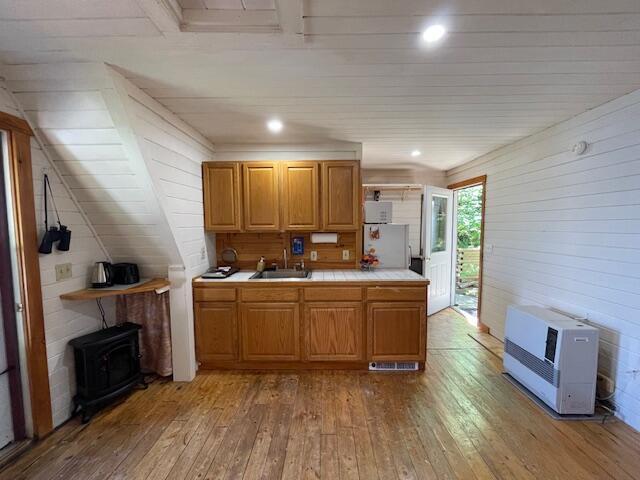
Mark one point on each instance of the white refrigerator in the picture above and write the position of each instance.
(390, 241)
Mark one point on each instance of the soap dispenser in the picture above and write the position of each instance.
(261, 264)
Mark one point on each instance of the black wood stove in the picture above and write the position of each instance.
(107, 366)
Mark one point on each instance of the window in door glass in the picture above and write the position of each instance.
(438, 224)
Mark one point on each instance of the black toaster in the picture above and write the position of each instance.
(125, 273)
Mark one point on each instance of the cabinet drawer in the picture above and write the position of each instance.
(330, 294)
(397, 294)
(214, 294)
(269, 294)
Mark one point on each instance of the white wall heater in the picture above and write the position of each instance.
(554, 356)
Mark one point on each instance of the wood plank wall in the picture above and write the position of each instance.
(563, 230)
(174, 153)
(70, 105)
(63, 320)
(250, 246)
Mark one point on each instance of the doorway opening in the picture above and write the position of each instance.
(468, 224)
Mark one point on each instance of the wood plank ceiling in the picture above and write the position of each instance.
(359, 71)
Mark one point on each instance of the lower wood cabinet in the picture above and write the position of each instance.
(397, 331)
(324, 326)
(216, 331)
(270, 331)
(334, 331)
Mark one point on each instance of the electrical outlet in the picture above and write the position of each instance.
(314, 256)
(203, 253)
(345, 254)
(63, 271)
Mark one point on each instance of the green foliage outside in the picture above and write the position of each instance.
(469, 217)
(469, 221)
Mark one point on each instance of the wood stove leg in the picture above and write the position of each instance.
(87, 414)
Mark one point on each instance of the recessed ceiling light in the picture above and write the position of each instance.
(416, 153)
(433, 33)
(274, 125)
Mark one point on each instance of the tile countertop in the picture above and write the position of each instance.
(382, 275)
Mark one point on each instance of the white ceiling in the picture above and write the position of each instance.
(358, 72)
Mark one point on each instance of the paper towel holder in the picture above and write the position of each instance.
(324, 238)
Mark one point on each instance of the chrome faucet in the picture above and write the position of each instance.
(286, 262)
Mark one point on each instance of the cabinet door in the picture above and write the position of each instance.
(261, 196)
(397, 331)
(221, 189)
(301, 202)
(216, 331)
(341, 195)
(333, 331)
(270, 331)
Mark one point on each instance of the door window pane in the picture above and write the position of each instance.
(438, 224)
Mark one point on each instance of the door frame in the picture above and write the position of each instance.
(9, 317)
(472, 182)
(19, 135)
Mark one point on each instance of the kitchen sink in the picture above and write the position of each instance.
(282, 273)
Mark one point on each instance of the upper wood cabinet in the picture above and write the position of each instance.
(301, 196)
(221, 187)
(340, 196)
(281, 196)
(261, 196)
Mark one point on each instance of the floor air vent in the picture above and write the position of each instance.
(393, 366)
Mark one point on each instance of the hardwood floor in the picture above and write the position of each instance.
(458, 420)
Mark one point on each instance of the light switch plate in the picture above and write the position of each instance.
(63, 271)
(314, 256)
(345, 254)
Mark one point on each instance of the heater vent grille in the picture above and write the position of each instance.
(393, 366)
(544, 370)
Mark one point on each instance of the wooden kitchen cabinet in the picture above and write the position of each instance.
(281, 196)
(270, 331)
(340, 196)
(301, 196)
(397, 331)
(333, 331)
(216, 331)
(291, 324)
(261, 195)
(221, 190)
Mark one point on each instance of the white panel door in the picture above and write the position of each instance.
(438, 233)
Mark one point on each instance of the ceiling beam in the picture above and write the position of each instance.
(245, 21)
(166, 15)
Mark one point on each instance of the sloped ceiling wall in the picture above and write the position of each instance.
(133, 166)
(135, 170)
(68, 109)
(172, 152)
